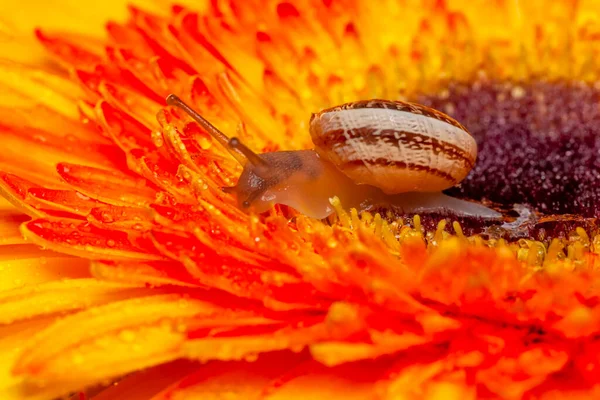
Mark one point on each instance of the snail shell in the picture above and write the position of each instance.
(396, 146)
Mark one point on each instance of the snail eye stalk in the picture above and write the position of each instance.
(239, 151)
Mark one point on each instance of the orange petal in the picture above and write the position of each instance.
(145, 384)
(10, 221)
(282, 331)
(122, 217)
(73, 53)
(15, 190)
(243, 380)
(85, 240)
(335, 353)
(316, 382)
(112, 187)
(125, 130)
(151, 273)
(24, 264)
(427, 380)
(68, 201)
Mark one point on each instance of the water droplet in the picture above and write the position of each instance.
(332, 243)
(341, 312)
(107, 217)
(186, 175)
(157, 138)
(203, 139)
(110, 243)
(200, 185)
(517, 92)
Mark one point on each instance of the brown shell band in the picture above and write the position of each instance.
(413, 141)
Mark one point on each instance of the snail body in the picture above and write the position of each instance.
(368, 154)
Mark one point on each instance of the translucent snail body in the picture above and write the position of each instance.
(369, 154)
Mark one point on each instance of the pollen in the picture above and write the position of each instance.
(574, 249)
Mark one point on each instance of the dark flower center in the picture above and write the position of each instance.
(538, 143)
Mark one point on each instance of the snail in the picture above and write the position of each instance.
(367, 153)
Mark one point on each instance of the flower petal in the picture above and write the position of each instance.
(22, 265)
(244, 380)
(110, 340)
(85, 240)
(147, 383)
(59, 297)
(110, 186)
(318, 382)
(12, 339)
(49, 89)
(148, 273)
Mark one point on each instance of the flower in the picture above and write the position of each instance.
(124, 261)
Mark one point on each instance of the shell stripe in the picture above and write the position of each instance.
(397, 105)
(400, 164)
(411, 140)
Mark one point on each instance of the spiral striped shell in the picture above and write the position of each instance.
(396, 146)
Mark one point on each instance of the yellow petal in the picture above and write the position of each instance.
(29, 265)
(107, 341)
(61, 296)
(24, 264)
(12, 339)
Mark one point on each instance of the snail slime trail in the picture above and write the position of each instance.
(369, 154)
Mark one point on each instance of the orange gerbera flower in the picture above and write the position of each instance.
(128, 273)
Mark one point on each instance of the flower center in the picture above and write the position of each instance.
(538, 143)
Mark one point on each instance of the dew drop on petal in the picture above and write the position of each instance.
(332, 243)
(157, 138)
(107, 217)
